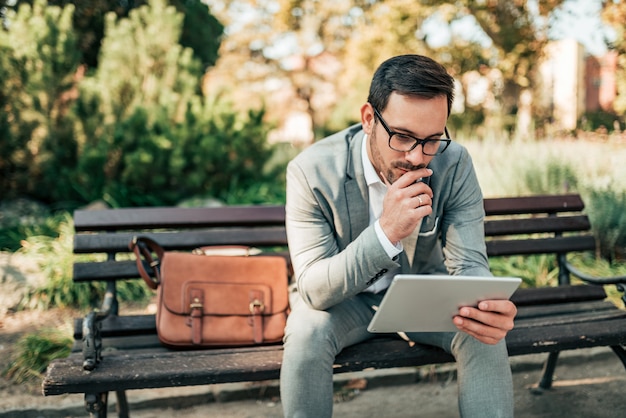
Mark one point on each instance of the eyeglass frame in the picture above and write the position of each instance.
(418, 141)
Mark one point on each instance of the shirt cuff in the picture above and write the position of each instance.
(391, 249)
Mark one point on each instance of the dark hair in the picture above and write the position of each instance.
(410, 75)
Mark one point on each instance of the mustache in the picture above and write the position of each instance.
(407, 166)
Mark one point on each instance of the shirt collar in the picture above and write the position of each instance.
(371, 177)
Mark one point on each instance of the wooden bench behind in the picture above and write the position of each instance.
(513, 226)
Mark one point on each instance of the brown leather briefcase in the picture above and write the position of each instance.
(215, 300)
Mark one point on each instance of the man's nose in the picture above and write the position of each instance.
(415, 156)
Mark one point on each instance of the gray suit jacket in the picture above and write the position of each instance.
(336, 254)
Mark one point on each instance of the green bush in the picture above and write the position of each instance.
(150, 160)
(466, 122)
(38, 59)
(592, 121)
(21, 218)
(34, 352)
(136, 130)
(12, 235)
(55, 258)
(534, 270)
(557, 176)
(608, 220)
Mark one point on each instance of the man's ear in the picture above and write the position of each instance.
(367, 118)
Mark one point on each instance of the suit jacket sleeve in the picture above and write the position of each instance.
(335, 253)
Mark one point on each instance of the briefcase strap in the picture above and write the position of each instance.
(143, 247)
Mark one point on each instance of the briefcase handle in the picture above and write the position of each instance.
(143, 247)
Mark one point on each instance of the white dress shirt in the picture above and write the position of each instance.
(376, 192)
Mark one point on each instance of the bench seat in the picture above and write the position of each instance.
(543, 324)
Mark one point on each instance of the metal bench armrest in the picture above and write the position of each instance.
(618, 281)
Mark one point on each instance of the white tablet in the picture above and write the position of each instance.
(427, 303)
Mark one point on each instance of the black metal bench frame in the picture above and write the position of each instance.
(116, 353)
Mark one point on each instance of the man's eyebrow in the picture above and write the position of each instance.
(411, 133)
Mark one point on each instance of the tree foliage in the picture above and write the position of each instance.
(201, 31)
(143, 64)
(287, 41)
(38, 61)
(134, 131)
(276, 43)
(519, 37)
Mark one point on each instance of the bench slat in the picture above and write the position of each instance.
(184, 240)
(534, 204)
(106, 270)
(561, 294)
(122, 270)
(557, 224)
(130, 344)
(168, 369)
(567, 337)
(142, 342)
(142, 218)
(540, 245)
(589, 310)
(573, 317)
(126, 269)
(120, 325)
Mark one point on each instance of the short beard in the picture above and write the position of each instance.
(388, 171)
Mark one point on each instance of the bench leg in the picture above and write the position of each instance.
(548, 373)
(96, 404)
(620, 352)
(122, 404)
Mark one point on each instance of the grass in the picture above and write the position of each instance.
(507, 167)
(34, 352)
(534, 270)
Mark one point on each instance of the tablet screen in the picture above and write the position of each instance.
(427, 303)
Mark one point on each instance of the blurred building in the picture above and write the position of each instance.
(573, 83)
(600, 82)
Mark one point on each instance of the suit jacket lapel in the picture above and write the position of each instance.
(355, 187)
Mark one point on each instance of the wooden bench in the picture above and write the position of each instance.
(116, 353)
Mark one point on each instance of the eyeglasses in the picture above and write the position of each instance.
(404, 143)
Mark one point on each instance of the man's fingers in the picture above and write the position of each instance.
(490, 322)
(480, 331)
(491, 319)
(505, 307)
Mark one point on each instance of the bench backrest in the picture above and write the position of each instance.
(537, 225)
(520, 225)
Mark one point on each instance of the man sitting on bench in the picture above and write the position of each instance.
(380, 199)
